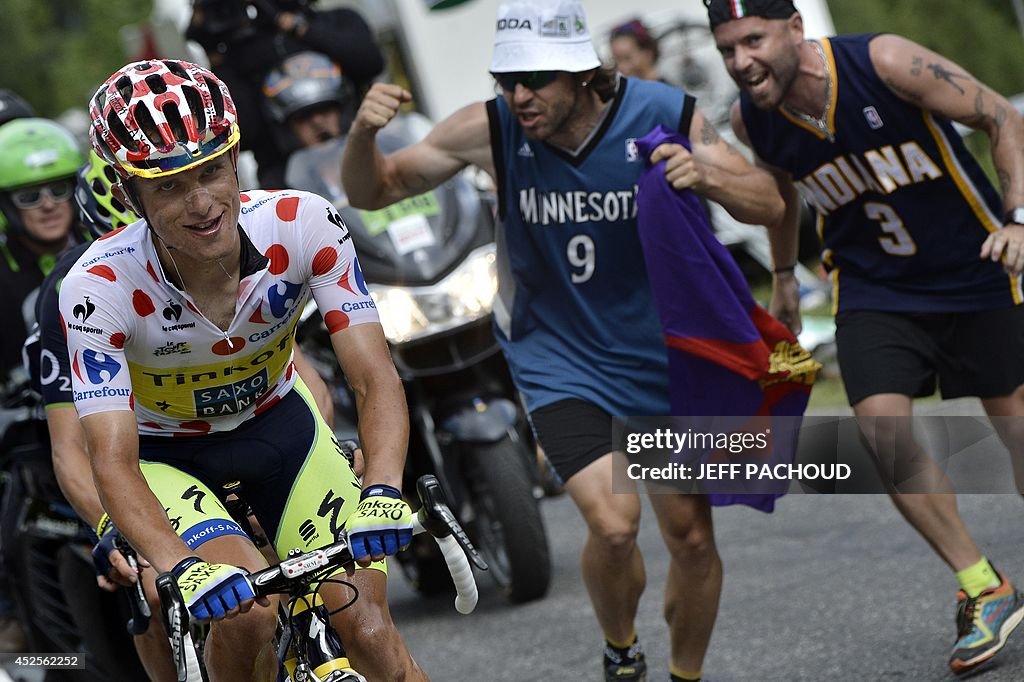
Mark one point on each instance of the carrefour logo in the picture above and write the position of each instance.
(99, 367)
(279, 301)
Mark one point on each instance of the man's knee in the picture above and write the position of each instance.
(686, 526)
(616, 535)
(697, 540)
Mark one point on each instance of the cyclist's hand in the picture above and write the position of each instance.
(213, 591)
(112, 569)
(381, 524)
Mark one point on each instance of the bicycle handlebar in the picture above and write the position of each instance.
(300, 570)
(434, 517)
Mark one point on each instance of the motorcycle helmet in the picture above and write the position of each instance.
(162, 116)
(99, 210)
(33, 151)
(303, 80)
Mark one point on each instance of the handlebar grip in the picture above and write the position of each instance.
(466, 594)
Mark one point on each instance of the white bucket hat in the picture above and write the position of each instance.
(542, 35)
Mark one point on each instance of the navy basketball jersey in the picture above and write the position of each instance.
(583, 322)
(903, 208)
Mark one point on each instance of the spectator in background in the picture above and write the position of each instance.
(635, 50)
(308, 96)
(38, 161)
(244, 48)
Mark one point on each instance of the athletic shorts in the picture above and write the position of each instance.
(968, 354)
(293, 473)
(573, 433)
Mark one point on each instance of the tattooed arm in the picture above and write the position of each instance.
(934, 83)
(717, 171)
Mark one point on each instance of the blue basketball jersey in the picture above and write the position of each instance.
(583, 322)
(903, 208)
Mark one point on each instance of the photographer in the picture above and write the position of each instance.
(245, 39)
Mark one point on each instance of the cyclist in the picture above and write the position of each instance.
(180, 331)
(565, 128)
(38, 160)
(915, 257)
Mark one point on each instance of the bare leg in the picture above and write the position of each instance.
(370, 636)
(1011, 431)
(884, 421)
(695, 575)
(612, 567)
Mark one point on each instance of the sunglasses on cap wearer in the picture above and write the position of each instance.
(531, 80)
(31, 197)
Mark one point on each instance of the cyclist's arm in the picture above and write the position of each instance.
(374, 180)
(71, 462)
(380, 400)
(316, 385)
(113, 443)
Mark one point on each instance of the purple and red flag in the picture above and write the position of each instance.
(727, 356)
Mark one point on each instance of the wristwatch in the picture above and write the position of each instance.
(1014, 216)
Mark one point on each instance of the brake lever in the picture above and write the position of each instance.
(141, 613)
(438, 520)
(176, 619)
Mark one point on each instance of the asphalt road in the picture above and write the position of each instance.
(829, 587)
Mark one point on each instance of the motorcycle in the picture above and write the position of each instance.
(430, 264)
(46, 560)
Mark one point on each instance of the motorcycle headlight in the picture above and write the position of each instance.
(465, 295)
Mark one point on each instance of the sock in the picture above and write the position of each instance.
(977, 578)
(617, 654)
(677, 675)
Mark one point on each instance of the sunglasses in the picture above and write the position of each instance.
(531, 80)
(31, 197)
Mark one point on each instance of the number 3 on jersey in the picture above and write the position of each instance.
(896, 240)
(580, 252)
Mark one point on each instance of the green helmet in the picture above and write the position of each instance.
(34, 151)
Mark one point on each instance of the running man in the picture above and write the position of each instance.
(925, 258)
(583, 340)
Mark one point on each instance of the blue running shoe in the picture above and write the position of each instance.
(984, 623)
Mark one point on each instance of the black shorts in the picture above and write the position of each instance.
(970, 354)
(573, 433)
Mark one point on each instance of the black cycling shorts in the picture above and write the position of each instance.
(968, 354)
(573, 433)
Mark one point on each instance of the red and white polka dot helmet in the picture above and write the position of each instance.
(162, 116)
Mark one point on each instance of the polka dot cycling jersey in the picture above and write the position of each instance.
(137, 342)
